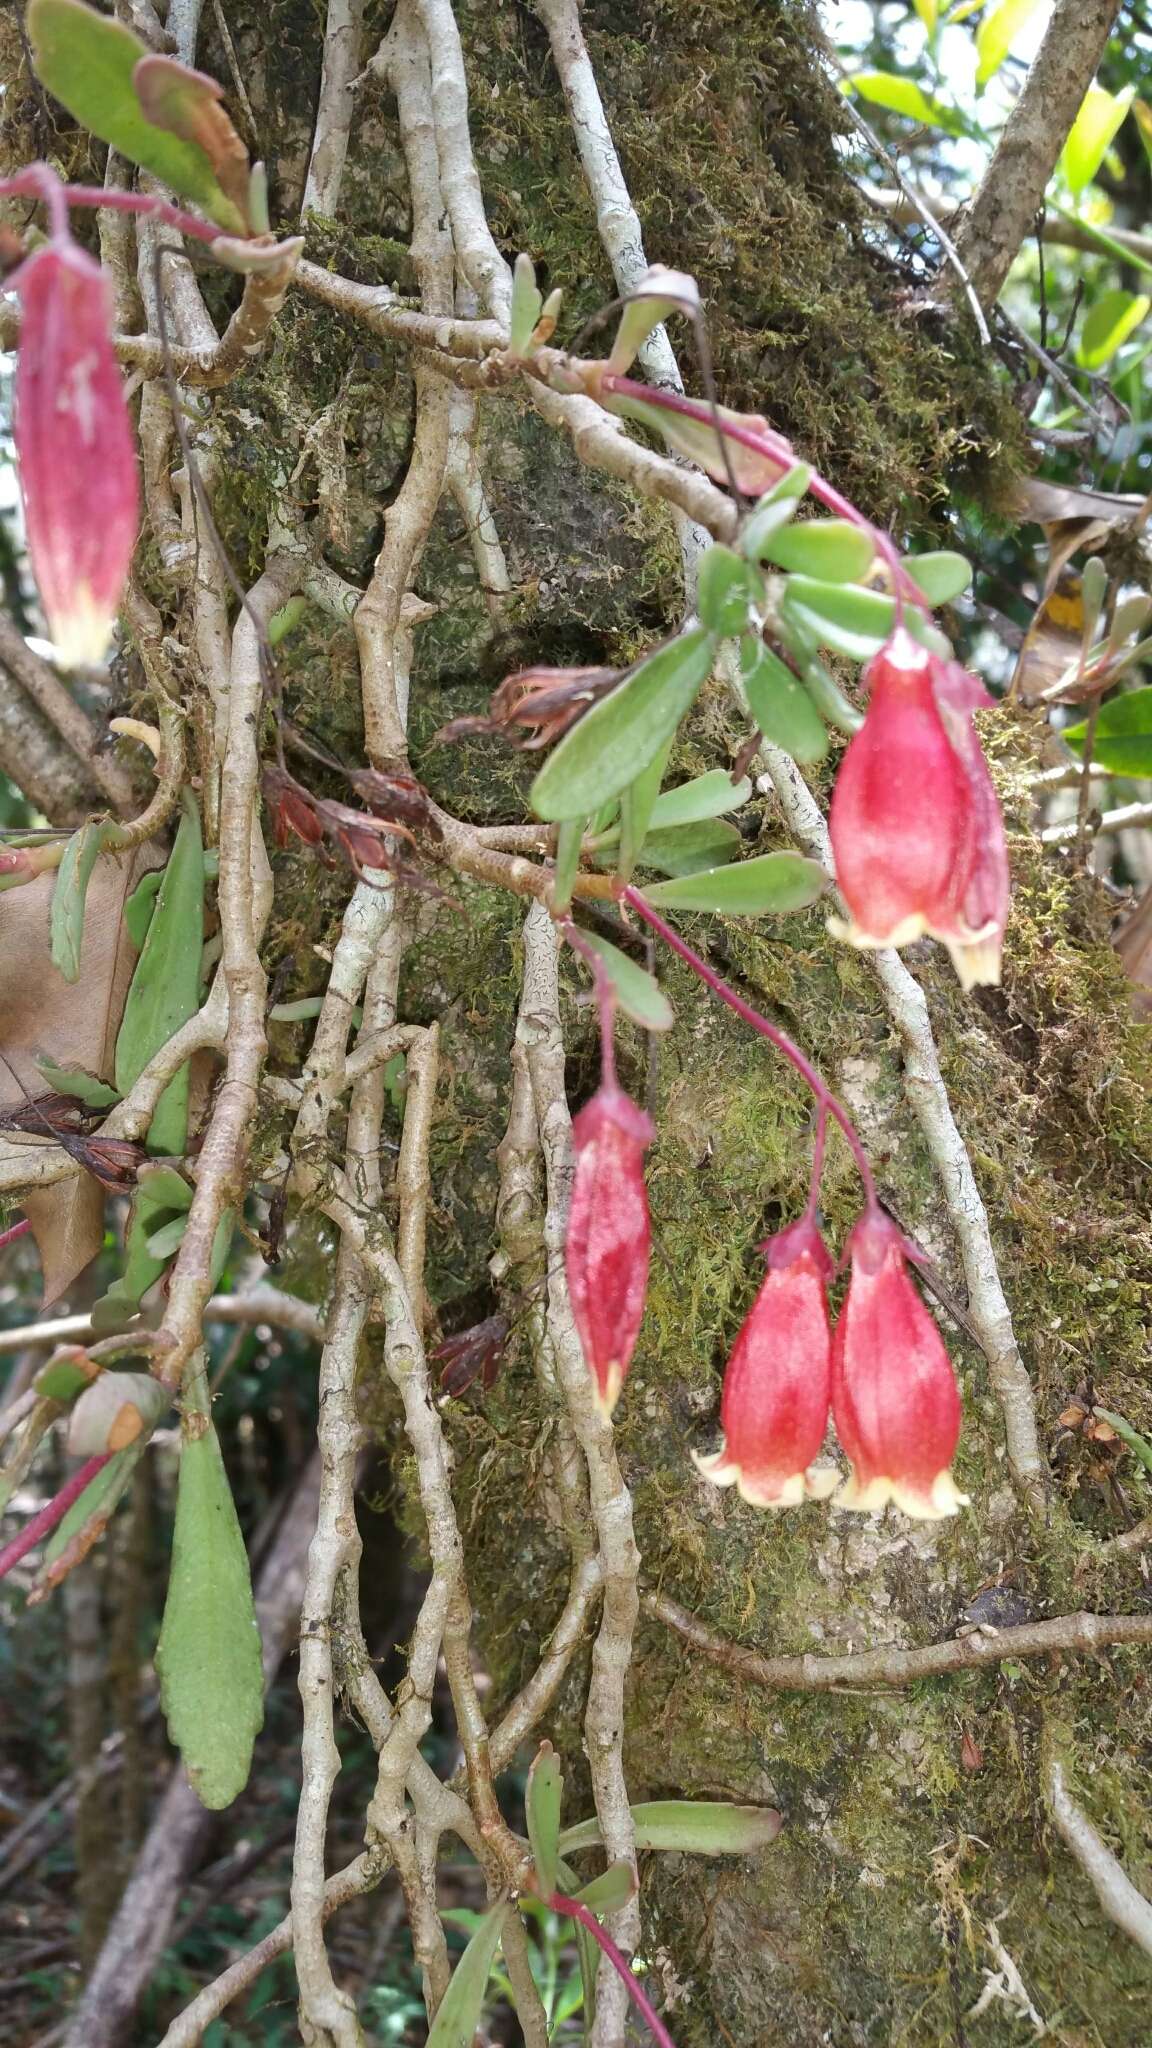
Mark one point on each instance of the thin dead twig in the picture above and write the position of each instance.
(1126, 1907)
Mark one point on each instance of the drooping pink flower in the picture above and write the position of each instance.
(895, 1401)
(777, 1385)
(609, 1236)
(915, 825)
(74, 447)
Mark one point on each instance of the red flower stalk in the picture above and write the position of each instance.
(609, 1236)
(778, 1383)
(915, 825)
(74, 447)
(894, 1396)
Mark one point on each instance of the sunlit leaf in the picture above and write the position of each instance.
(999, 27)
(773, 882)
(704, 1827)
(780, 704)
(458, 2014)
(1092, 134)
(617, 738)
(1123, 736)
(900, 96)
(1107, 325)
(638, 993)
(87, 60)
(208, 1655)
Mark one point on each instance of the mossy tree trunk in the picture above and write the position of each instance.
(916, 1857)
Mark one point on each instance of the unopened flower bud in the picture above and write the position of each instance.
(74, 448)
(777, 1386)
(609, 1236)
(894, 1396)
(915, 825)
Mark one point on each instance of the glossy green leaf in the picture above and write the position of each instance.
(780, 705)
(76, 1081)
(611, 1890)
(900, 96)
(638, 993)
(542, 1802)
(1107, 325)
(637, 804)
(702, 1827)
(1092, 134)
(566, 865)
(833, 549)
(772, 882)
(68, 897)
(999, 27)
(840, 615)
(208, 1655)
(940, 575)
(621, 734)
(723, 590)
(685, 849)
(458, 2014)
(165, 988)
(526, 305)
(1123, 738)
(87, 61)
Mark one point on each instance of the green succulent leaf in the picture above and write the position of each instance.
(637, 804)
(833, 549)
(621, 734)
(165, 988)
(458, 2014)
(569, 839)
(87, 60)
(940, 575)
(542, 1802)
(686, 849)
(78, 1082)
(66, 921)
(208, 1655)
(706, 796)
(771, 883)
(526, 305)
(611, 1890)
(638, 993)
(702, 1827)
(840, 615)
(1123, 737)
(780, 705)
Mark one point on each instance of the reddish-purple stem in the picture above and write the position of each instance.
(54, 1511)
(14, 1230)
(767, 442)
(818, 1144)
(771, 1032)
(575, 1911)
(39, 181)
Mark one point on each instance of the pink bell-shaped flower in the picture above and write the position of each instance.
(609, 1236)
(74, 447)
(915, 825)
(895, 1401)
(777, 1386)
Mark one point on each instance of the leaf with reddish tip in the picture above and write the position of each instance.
(187, 104)
(87, 61)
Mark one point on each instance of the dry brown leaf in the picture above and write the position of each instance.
(75, 1024)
